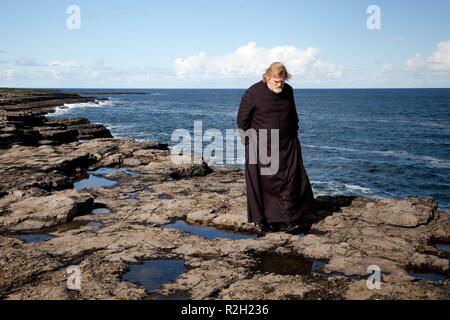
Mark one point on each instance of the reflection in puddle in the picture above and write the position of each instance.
(32, 238)
(94, 224)
(106, 171)
(93, 181)
(443, 247)
(209, 233)
(100, 211)
(428, 276)
(152, 274)
(44, 234)
(283, 264)
(317, 265)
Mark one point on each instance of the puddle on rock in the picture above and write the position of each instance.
(152, 274)
(442, 247)
(317, 265)
(94, 178)
(103, 171)
(44, 234)
(209, 233)
(93, 181)
(428, 272)
(436, 277)
(100, 211)
(286, 264)
(33, 238)
(107, 171)
(94, 224)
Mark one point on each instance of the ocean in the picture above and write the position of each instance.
(377, 143)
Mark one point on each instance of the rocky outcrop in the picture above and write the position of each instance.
(22, 120)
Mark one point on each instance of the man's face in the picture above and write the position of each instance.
(276, 84)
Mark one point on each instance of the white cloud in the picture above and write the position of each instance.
(27, 62)
(64, 69)
(439, 61)
(63, 64)
(415, 63)
(386, 67)
(8, 73)
(62, 73)
(384, 70)
(250, 60)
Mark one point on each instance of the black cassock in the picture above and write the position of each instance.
(287, 195)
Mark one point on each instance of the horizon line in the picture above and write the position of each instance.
(206, 88)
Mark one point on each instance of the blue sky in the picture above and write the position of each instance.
(224, 44)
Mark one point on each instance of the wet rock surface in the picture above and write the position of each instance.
(151, 213)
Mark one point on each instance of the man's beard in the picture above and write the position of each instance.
(277, 90)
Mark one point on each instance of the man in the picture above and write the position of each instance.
(279, 200)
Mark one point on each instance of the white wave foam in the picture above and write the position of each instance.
(336, 188)
(432, 124)
(117, 127)
(331, 148)
(354, 187)
(435, 162)
(66, 107)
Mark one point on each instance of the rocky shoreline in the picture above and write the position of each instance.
(22, 120)
(119, 209)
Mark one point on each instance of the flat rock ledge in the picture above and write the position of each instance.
(347, 236)
(55, 190)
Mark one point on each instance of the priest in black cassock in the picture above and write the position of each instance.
(280, 200)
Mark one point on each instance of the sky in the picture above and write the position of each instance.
(224, 44)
